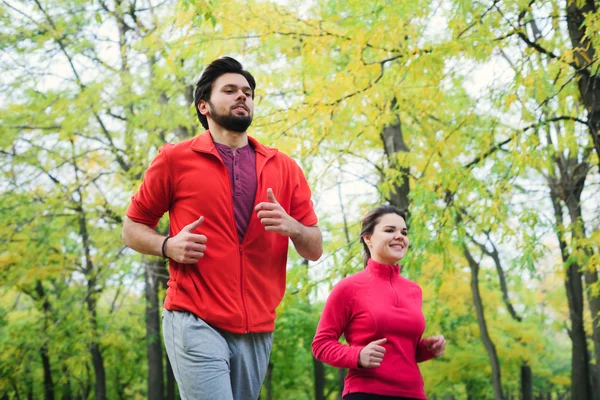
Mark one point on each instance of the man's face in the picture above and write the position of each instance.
(231, 105)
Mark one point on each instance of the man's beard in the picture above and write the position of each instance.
(230, 122)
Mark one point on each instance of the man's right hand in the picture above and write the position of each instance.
(187, 247)
(372, 354)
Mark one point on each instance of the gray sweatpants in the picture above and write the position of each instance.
(212, 364)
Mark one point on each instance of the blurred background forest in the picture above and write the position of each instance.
(480, 118)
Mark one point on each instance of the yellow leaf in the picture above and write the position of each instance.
(511, 99)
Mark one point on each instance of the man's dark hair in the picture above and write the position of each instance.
(214, 70)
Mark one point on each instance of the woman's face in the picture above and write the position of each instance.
(389, 241)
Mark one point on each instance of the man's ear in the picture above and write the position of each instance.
(203, 107)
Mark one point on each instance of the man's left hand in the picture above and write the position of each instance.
(274, 217)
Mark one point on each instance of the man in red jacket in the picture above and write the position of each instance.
(233, 205)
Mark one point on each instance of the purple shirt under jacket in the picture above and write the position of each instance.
(241, 166)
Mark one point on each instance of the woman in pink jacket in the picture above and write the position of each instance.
(380, 315)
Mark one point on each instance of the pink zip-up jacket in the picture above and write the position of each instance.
(373, 304)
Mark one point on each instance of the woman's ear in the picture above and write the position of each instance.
(367, 240)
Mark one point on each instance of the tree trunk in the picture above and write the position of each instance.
(589, 91)
(97, 361)
(66, 390)
(594, 123)
(589, 272)
(161, 273)
(269, 380)
(85, 386)
(580, 374)
(153, 337)
(469, 390)
(319, 371)
(15, 388)
(526, 374)
(28, 383)
(170, 380)
(485, 337)
(90, 274)
(588, 80)
(341, 372)
(48, 384)
(393, 143)
(594, 384)
(526, 382)
(119, 387)
(341, 375)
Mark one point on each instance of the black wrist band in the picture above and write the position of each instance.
(163, 246)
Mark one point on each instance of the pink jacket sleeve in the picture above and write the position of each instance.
(334, 319)
(423, 353)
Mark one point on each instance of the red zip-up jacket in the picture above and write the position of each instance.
(235, 286)
(373, 304)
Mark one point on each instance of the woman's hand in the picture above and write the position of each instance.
(372, 354)
(436, 345)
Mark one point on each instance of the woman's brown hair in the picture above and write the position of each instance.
(369, 222)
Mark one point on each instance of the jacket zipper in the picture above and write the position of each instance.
(240, 253)
(393, 287)
(241, 245)
(242, 288)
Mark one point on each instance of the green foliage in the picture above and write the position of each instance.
(90, 90)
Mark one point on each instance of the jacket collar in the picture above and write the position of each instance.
(379, 269)
(203, 143)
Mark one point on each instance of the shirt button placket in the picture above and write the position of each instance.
(236, 172)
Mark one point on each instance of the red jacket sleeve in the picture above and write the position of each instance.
(302, 209)
(334, 319)
(153, 198)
